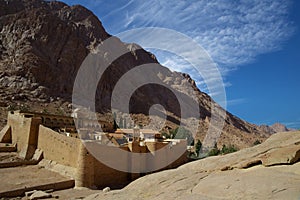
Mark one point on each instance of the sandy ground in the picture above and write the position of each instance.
(27, 176)
(9, 157)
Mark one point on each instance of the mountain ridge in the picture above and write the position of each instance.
(42, 46)
(275, 128)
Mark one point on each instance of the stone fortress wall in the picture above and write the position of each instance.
(34, 131)
(58, 147)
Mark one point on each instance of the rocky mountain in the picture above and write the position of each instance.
(270, 170)
(275, 128)
(44, 43)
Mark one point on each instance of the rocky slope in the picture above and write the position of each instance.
(275, 128)
(270, 170)
(42, 45)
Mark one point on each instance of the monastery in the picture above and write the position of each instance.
(95, 159)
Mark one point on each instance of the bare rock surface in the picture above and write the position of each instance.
(278, 127)
(73, 193)
(275, 128)
(40, 195)
(223, 177)
(287, 155)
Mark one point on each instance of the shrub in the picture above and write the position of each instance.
(198, 147)
(182, 133)
(229, 149)
(257, 142)
(11, 107)
(214, 152)
(225, 150)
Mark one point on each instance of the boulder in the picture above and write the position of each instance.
(107, 189)
(286, 155)
(239, 175)
(40, 195)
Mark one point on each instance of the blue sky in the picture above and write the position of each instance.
(253, 42)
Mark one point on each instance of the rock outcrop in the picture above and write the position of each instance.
(275, 128)
(43, 44)
(270, 170)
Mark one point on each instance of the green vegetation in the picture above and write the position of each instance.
(198, 147)
(165, 135)
(197, 154)
(182, 133)
(257, 142)
(179, 133)
(225, 150)
(214, 151)
(229, 149)
(172, 133)
(11, 107)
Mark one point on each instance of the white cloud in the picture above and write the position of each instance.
(294, 124)
(233, 102)
(233, 32)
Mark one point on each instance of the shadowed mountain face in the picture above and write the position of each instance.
(43, 44)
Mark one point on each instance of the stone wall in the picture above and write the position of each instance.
(24, 133)
(104, 174)
(56, 121)
(57, 147)
(91, 159)
(128, 159)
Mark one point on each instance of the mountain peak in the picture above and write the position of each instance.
(44, 43)
(275, 128)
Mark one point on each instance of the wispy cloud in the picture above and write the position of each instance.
(233, 32)
(294, 124)
(233, 102)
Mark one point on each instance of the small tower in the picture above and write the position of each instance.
(136, 133)
(85, 174)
